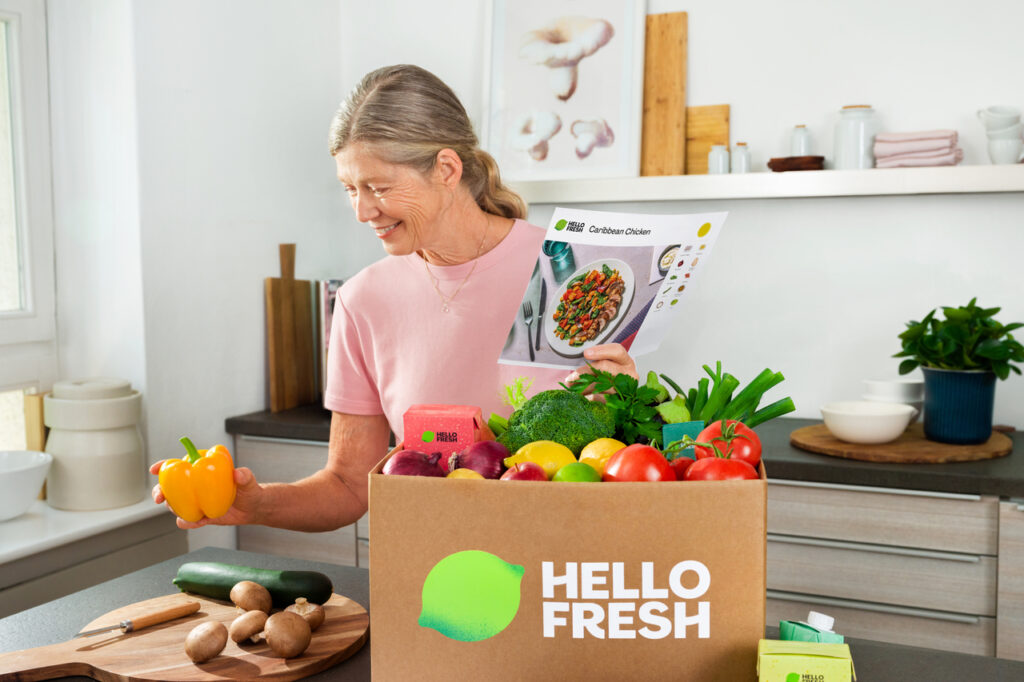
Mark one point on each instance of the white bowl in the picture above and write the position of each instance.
(22, 473)
(918, 405)
(899, 390)
(866, 421)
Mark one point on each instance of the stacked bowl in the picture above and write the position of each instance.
(905, 391)
(1003, 129)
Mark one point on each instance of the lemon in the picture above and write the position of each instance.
(463, 472)
(551, 456)
(598, 452)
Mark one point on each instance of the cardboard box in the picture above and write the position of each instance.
(444, 428)
(519, 580)
(780, 661)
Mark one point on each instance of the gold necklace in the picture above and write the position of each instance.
(445, 300)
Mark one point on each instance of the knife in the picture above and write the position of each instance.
(543, 299)
(154, 618)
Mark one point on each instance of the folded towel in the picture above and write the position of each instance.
(923, 135)
(912, 146)
(950, 159)
(918, 155)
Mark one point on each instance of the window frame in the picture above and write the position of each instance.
(28, 337)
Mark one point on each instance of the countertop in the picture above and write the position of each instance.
(1003, 476)
(60, 619)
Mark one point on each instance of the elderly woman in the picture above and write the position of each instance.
(427, 323)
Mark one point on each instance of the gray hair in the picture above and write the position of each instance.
(407, 115)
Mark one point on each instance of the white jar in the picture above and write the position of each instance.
(740, 160)
(855, 137)
(98, 459)
(718, 159)
(800, 141)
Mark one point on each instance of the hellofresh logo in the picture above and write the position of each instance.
(427, 437)
(560, 225)
(470, 596)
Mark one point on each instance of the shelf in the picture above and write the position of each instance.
(768, 185)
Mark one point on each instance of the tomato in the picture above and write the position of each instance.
(680, 465)
(720, 469)
(638, 463)
(738, 442)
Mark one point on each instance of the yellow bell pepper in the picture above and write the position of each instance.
(202, 484)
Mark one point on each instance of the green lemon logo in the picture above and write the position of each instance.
(793, 677)
(471, 596)
(560, 225)
(427, 437)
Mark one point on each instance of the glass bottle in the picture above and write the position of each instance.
(718, 159)
(740, 159)
(855, 137)
(800, 141)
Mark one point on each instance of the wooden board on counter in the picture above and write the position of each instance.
(158, 652)
(705, 126)
(292, 371)
(663, 145)
(910, 448)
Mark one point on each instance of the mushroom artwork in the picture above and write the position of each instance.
(532, 131)
(561, 45)
(591, 133)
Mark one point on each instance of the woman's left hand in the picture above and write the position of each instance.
(609, 357)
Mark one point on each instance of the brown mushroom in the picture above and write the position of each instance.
(287, 633)
(313, 613)
(251, 596)
(206, 640)
(246, 625)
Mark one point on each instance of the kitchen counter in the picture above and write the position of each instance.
(1003, 476)
(59, 620)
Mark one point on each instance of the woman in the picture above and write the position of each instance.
(427, 323)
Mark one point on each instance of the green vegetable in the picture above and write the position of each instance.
(564, 417)
(652, 382)
(497, 424)
(212, 579)
(674, 411)
(968, 339)
(721, 403)
(515, 393)
(632, 405)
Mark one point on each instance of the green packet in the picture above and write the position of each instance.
(780, 661)
(817, 628)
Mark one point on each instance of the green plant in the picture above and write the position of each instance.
(967, 339)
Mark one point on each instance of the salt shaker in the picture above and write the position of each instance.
(718, 159)
(740, 160)
(800, 141)
(855, 137)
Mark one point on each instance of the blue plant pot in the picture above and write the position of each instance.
(958, 405)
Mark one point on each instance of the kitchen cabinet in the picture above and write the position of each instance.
(1010, 634)
(905, 566)
(284, 459)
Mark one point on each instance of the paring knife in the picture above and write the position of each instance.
(144, 621)
(540, 306)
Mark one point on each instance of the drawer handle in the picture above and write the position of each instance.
(286, 441)
(870, 606)
(878, 549)
(875, 489)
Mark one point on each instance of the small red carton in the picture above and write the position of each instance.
(444, 428)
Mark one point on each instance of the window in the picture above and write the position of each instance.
(27, 339)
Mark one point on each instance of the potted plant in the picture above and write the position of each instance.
(961, 357)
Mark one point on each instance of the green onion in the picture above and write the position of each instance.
(748, 399)
(776, 409)
(719, 397)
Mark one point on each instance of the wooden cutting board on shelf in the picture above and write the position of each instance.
(663, 143)
(705, 126)
(910, 448)
(291, 368)
(158, 652)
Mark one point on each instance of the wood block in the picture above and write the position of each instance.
(910, 448)
(291, 369)
(705, 126)
(35, 429)
(663, 145)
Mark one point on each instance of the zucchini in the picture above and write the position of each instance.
(213, 579)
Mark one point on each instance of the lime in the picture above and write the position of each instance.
(579, 472)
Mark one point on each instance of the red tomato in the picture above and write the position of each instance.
(638, 463)
(720, 469)
(739, 442)
(680, 465)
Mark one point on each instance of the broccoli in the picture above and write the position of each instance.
(562, 416)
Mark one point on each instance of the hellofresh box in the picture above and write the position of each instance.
(519, 580)
(443, 428)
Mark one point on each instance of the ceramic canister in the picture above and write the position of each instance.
(98, 459)
(855, 137)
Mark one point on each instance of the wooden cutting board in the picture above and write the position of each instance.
(663, 144)
(910, 448)
(291, 368)
(705, 126)
(158, 652)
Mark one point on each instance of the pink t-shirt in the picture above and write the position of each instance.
(392, 346)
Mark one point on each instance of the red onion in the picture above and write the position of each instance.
(486, 457)
(413, 463)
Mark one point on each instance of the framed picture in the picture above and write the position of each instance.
(565, 88)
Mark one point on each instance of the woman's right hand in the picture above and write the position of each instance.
(243, 511)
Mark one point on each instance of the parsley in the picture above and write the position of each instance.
(631, 404)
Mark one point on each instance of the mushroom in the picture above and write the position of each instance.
(561, 45)
(313, 613)
(251, 596)
(287, 633)
(206, 640)
(248, 624)
(591, 133)
(532, 132)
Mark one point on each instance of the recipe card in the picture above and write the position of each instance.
(604, 277)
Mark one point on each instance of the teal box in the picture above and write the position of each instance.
(674, 432)
(798, 631)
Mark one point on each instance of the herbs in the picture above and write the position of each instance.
(719, 403)
(515, 393)
(632, 405)
(967, 339)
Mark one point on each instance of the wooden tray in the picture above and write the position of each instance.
(158, 652)
(910, 448)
